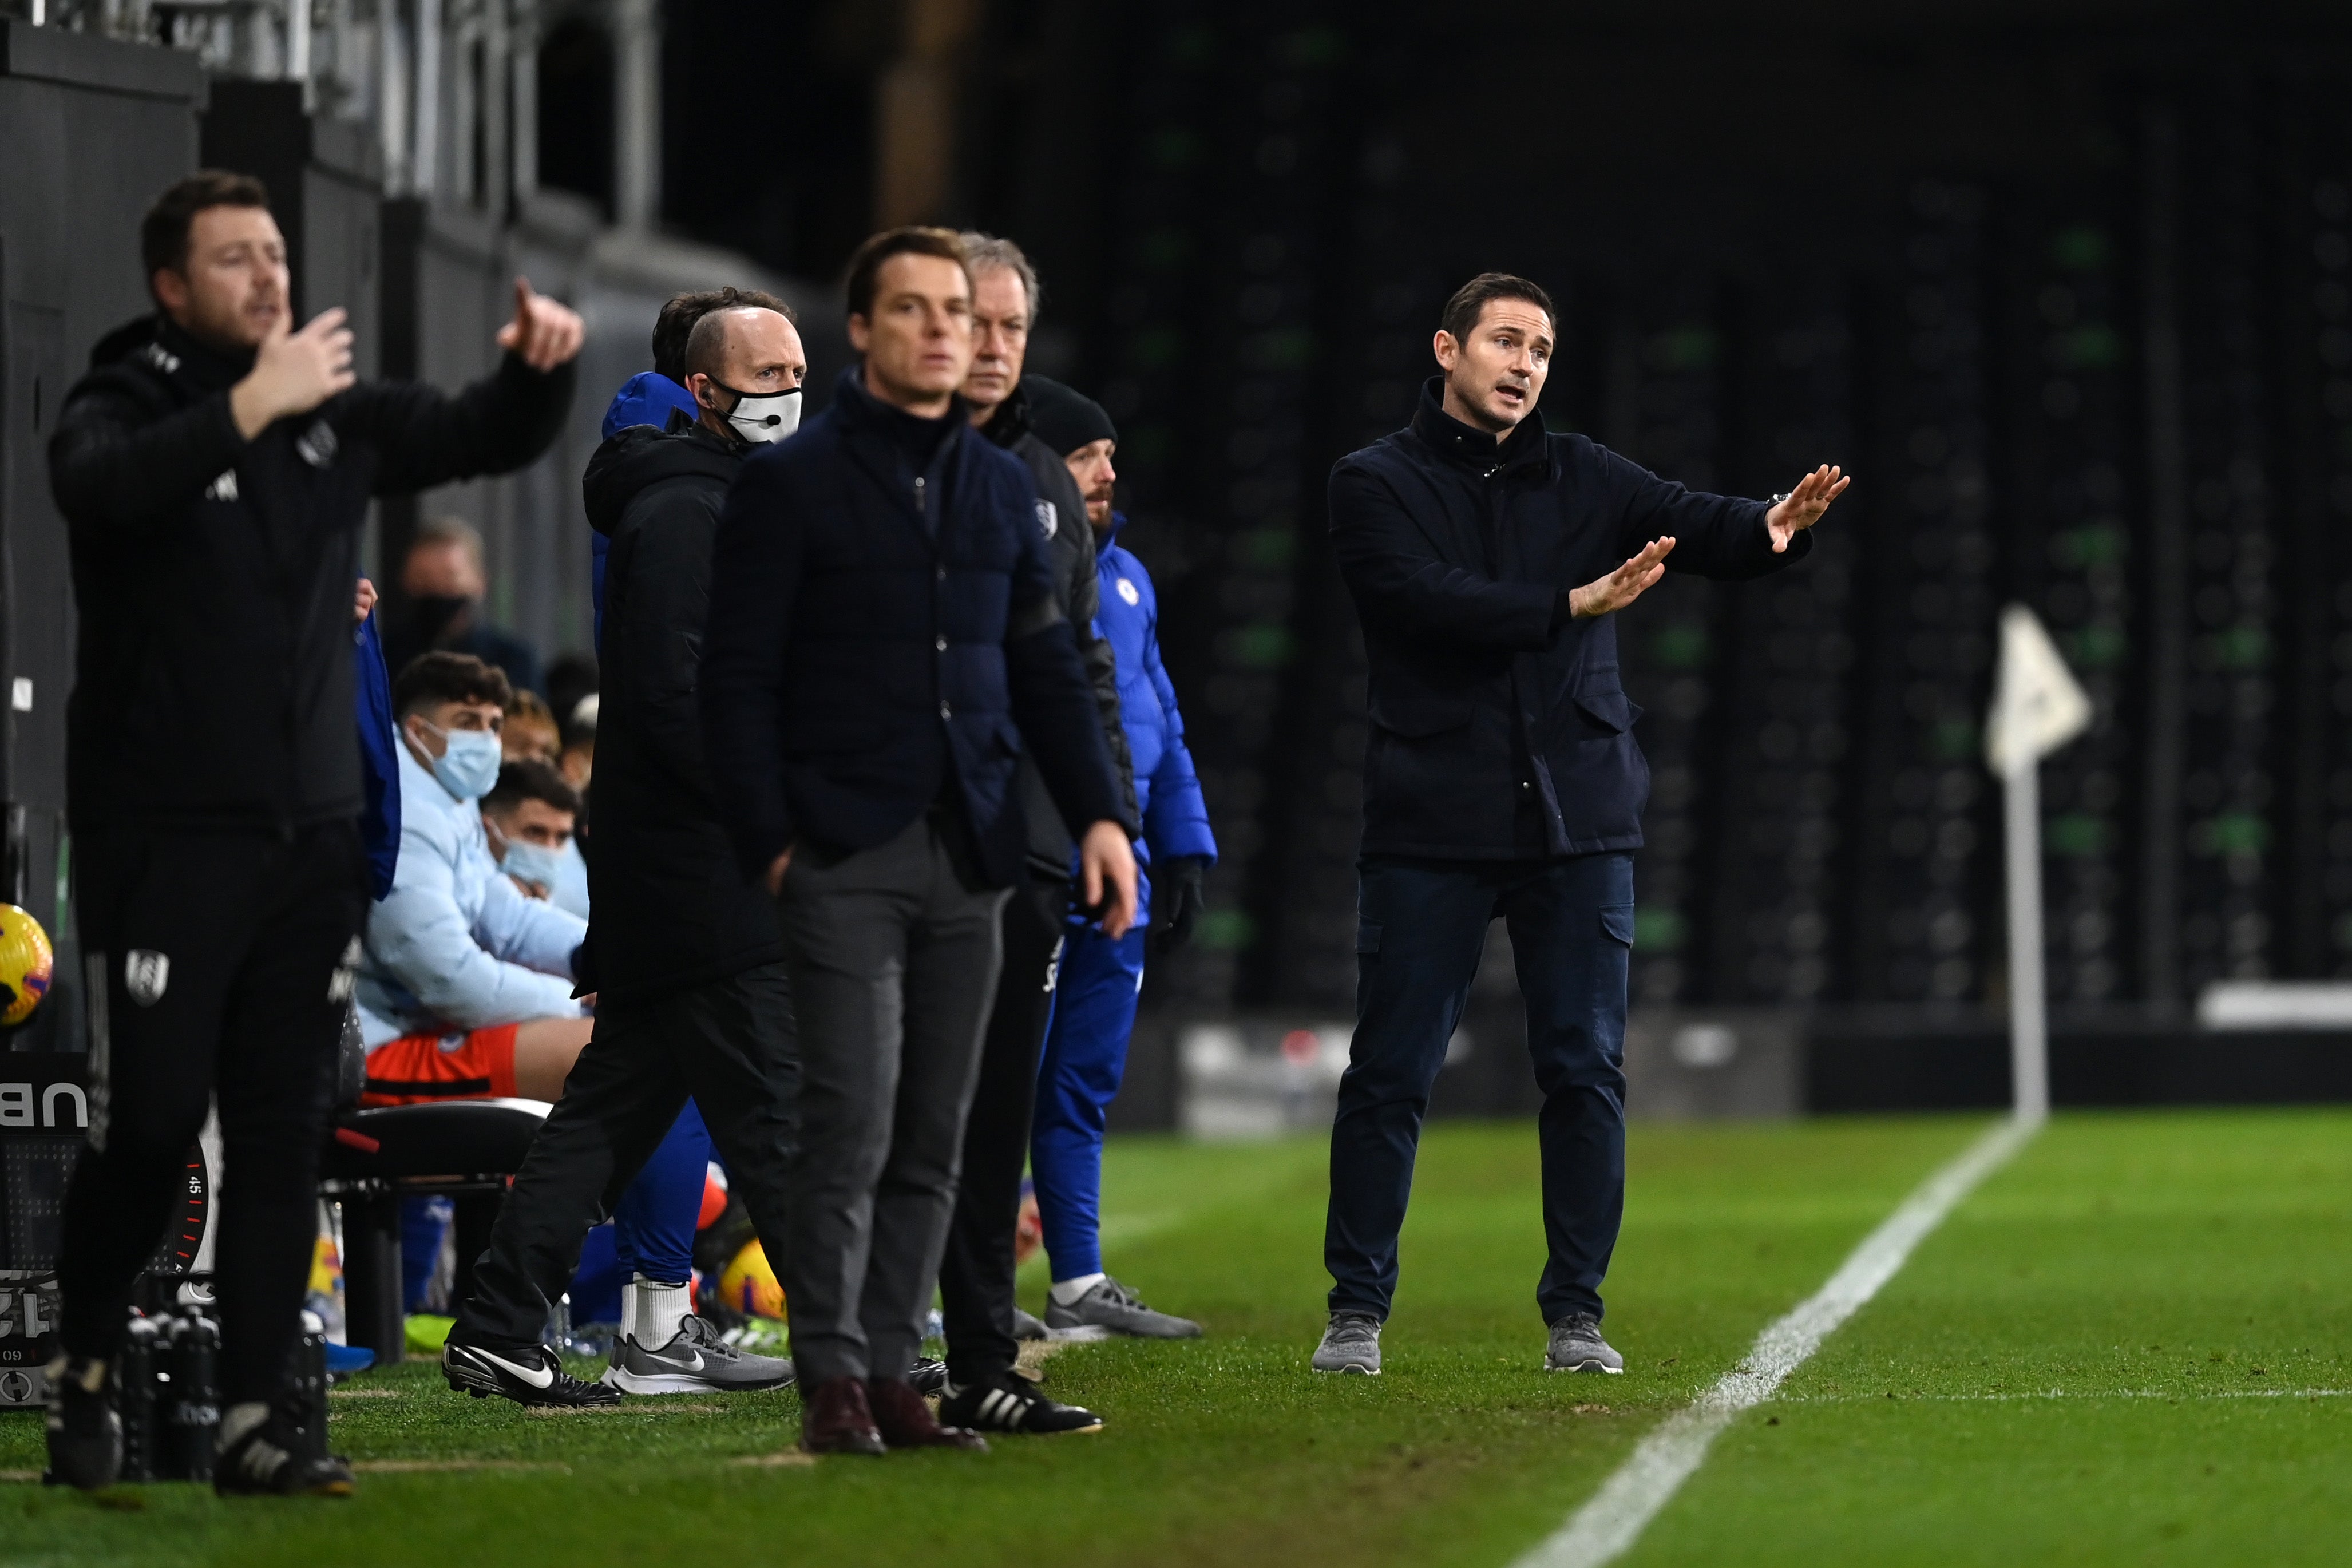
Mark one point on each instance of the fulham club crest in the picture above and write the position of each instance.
(1045, 518)
(145, 973)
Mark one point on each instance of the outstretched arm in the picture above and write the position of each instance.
(497, 425)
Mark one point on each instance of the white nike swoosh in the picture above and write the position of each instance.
(537, 1376)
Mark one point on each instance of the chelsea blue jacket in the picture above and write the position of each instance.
(646, 398)
(1175, 820)
(379, 759)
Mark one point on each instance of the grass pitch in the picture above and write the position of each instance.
(2131, 1346)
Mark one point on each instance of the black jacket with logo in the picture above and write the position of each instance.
(214, 575)
(1070, 550)
(670, 907)
(1458, 551)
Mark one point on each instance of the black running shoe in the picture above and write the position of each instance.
(528, 1374)
(261, 1464)
(928, 1376)
(85, 1433)
(1010, 1403)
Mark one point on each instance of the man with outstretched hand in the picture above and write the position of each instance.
(884, 642)
(213, 469)
(1487, 559)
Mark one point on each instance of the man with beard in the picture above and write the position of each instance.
(682, 950)
(977, 1270)
(213, 469)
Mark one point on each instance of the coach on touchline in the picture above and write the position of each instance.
(1487, 557)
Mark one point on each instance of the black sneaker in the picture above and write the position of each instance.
(85, 1433)
(528, 1374)
(1010, 1403)
(261, 1464)
(928, 1376)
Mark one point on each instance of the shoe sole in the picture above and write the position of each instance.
(678, 1382)
(1585, 1367)
(1080, 1334)
(1352, 1368)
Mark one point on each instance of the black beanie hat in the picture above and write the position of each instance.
(1063, 419)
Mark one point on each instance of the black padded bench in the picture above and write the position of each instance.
(466, 1149)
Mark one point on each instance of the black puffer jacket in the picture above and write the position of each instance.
(670, 907)
(214, 575)
(1070, 550)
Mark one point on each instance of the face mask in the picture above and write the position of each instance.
(470, 766)
(531, 862)
(434, 614)
(766, 418)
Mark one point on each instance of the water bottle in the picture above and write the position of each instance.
(194, 1417)
(135, 1399)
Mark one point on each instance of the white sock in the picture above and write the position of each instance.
(660, 1313)
(239, 1419)
(1068, 1291)
(629, 1313)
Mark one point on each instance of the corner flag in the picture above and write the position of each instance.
(2037, 707)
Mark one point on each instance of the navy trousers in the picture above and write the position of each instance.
(1421, 927)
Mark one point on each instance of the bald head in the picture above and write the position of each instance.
(744, 352)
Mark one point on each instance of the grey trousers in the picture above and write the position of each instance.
(894, 960)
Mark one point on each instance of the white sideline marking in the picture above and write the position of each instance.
(2172, 1395)
(1616, 1516)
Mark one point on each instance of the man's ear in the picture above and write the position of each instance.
(1446, 350)
(861, 331)
(170, 289)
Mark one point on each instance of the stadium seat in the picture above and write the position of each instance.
(466, 1148)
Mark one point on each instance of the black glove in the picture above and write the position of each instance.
(1180, 900)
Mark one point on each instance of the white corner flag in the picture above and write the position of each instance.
(2037, 707)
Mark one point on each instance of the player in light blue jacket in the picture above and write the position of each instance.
(1100, 978)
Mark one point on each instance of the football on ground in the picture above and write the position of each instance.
(2131, 1344)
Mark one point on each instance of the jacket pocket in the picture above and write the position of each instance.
(1617, 923)
(1610, 710)
(1414, 718)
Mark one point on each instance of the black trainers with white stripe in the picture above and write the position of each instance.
(528, 1374)
(1011, 1402)
(263, 1463)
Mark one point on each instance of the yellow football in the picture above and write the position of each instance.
(25, 963)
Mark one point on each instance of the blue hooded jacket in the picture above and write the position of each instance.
(646, 398)
(1175, 818)
(379, 759)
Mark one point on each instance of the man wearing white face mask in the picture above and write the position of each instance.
(682, 950)
(465, 986)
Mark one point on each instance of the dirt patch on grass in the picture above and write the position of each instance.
(788, 1460)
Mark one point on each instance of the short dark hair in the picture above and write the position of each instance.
(915, 239)
(164, 232)
(679, 314)
(1469, 302)
(443, 677)
(530, 779)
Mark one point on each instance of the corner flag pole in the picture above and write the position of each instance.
(2038, 706)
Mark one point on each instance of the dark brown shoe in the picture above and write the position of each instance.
(837, 1420)
(905, 1421)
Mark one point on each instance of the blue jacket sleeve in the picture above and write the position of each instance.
(1176, 824)
(379, 762)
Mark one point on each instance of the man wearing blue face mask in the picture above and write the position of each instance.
(465, 986)
(528, 816)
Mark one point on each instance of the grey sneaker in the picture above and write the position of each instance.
(1026, 1327)
(695, 1362)
(1352, 1344)
(1111, 1306)
(1576, 1346)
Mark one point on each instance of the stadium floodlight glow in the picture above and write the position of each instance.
(2037, 707)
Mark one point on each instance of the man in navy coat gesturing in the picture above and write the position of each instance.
(1486, 558)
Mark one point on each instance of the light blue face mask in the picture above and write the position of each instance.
(469, 767)
(531, 862)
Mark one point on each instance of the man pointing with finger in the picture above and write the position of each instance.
(213, 469)
(1487, 559)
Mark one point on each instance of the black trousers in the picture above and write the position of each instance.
(1421, 927)
(730, 1044)
(215, 966)
(976, 1270)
